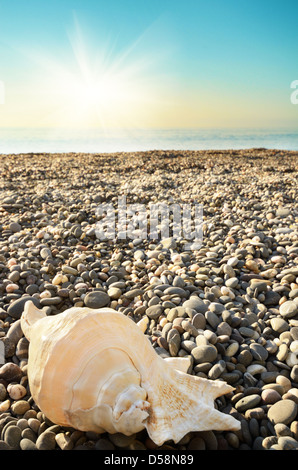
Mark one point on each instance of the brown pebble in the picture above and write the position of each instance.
(197, 443)
(27, 444)
(11, 372)
(270, 396)
(64, 441)
(46, 441)
(257, 413)
(20, 407)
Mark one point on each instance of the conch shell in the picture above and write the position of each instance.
(95, 370)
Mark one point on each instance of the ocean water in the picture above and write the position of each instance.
(21, 140)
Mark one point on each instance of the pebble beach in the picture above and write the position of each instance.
(230, 307)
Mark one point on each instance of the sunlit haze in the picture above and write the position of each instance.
(116, 64)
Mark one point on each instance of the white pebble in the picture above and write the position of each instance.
(292, 359)
(16, 391)
(294, 346)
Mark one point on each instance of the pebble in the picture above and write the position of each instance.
(46, 441)
(16, 307)
(204, 353)
(96, 299)
(270, 396)
(283, 411)
(288, 309)
(279, 325)
(154, 311)
(10, 372)
(230, 307)
(245, 403)
(12, 436)
(195, 303)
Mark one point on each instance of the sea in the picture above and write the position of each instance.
(44, 140)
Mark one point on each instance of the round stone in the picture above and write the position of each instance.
(216, 370)
(20, 407)
(288, 309)
(45, 253)
(96, 299)
(15, 227)
(271, 298)
(27, 444)
(12, 436)
(10, 372)
(248, 402)
(199, 321)
(261, 286)
(279, 325)
(232, 349)
(283, 411)
(232, 282)
(16, 308)
(204, 353)
(114, 292)
(46, 441)
(196, 303)
(287, 443)
(259, 352)
(154, 311)
(270, 396)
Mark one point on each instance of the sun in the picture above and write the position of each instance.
(98, 87)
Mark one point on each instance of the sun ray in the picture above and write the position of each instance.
(102, 86)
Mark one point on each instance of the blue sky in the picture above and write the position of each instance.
(161, 63)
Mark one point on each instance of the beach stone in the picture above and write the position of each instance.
(287, 443)
(15, 332)
(279, 324)
(283, 411)
(46, 441)
(293, 374)
(15, 227)
(12, 436)
(11, 372)
(216, 307)
(271, 298)
(169, 243)
(154, 311)
(121, 440)
(232, 349)
(27, 444)
(114, 292)
(197, 443)
(132, 293)
(212, 319)
(247, 402)
(232, 282)
(195, 303)
(282, 212)
(282, 430)
(199, 321)
(16, 307)
(217, 370)
(288, 309)
(245, 357)
(45, 253)
(69, 270)
(258, 351)
(261, 286)
(20, 407)
(282, 352)
(96, 299)
(64, 441)
(270, 396)
(204, 353)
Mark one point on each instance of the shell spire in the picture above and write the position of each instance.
(95, 370)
